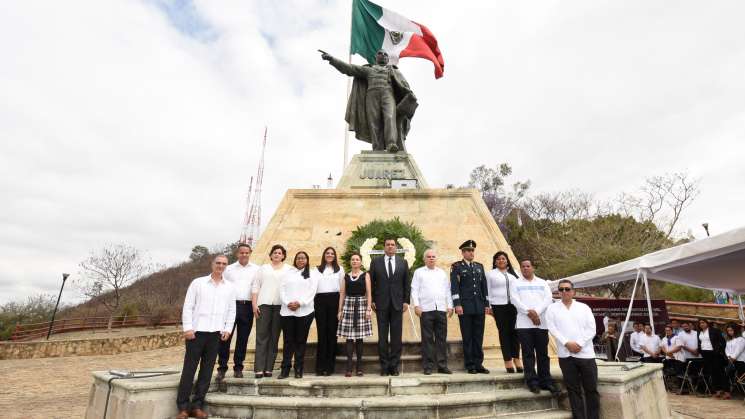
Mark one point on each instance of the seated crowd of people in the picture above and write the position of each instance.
(698, 351)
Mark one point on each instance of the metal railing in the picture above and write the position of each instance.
(29, 331)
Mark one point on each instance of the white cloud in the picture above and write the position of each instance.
(119, 124)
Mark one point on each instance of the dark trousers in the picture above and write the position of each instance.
(200, 351)
(244, 321)
(389, 320)
(714, 365)
(294, 337)
(327, 306)
(534, 343)
(434, 326)
(581, 381)
(650, 360)
(267, 337)
(472, 331)
(505, 316)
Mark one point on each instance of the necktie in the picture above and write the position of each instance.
(390, 268)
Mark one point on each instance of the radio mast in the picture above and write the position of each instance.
(252, 218)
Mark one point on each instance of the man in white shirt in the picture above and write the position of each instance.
(671, 347)
(634, 339)
(689, 340)
(649, 343)
(241, 275)
(207, 317)
(431, 297)
(531, 296)
(572, 324)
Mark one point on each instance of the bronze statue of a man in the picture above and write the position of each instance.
(381, 103)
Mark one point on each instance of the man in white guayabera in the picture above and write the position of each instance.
(208, 317)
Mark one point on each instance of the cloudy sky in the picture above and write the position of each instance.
(140, 121)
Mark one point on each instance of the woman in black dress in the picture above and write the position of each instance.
(355, 300)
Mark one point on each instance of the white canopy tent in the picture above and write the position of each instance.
(716, 262)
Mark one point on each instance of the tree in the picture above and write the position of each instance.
(564, 248)
(108, 271)
(661, 200)
(491, 183)
(37, 308)
(198, 252)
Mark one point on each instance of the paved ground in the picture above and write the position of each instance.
(688, 407)
(59, 387)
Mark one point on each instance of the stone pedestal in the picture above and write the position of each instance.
(382, 170)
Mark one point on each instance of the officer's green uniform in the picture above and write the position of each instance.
(469, 289)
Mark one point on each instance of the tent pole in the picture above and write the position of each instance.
(649, 300)
(628, 314)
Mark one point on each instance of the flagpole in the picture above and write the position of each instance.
(349, 89)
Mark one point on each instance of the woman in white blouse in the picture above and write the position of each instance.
(265, 295)
(735, 349)
(498, 286)
(297, 291)
(330, 277)
(711, 346)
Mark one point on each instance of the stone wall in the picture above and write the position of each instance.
(81, 347)
(705, 310)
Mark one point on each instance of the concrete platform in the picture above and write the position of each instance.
(627, 390)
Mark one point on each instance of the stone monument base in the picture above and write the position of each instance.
(382, 170)
(626, 391)
(312, 219)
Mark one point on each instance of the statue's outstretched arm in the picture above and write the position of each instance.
(344, 68)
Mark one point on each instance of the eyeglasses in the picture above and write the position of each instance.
(564, 289)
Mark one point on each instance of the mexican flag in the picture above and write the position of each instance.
(375, 28)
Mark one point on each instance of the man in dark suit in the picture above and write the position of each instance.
(389, 275)
(468, 287)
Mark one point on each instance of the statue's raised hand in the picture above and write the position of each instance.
(325, 55)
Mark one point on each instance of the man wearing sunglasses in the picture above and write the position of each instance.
(572, 324)
(208, 316)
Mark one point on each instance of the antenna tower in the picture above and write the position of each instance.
(252, 218)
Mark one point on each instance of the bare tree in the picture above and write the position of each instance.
(560, 206)
(491, 183)
(108, 271)
(661, 200)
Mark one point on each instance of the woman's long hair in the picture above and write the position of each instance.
(509, 264)
(306, 270)
(334, 263)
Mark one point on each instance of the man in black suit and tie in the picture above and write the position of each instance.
(389, 275)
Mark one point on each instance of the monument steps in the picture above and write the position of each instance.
(408, 396)
(411, 358)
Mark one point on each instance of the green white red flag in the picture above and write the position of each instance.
(375, 28)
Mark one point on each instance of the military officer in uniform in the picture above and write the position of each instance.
(468, 287)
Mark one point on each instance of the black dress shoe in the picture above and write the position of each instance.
(510, 370)
(268, 374)
(519, 369)
(534, 389)
(482, 370)
(238, 374)
(554, 389)
(472, 371)
(299, 374)
(444, 371)
(395, 373)
(220, 375)
(427, 372)
(283, 374)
